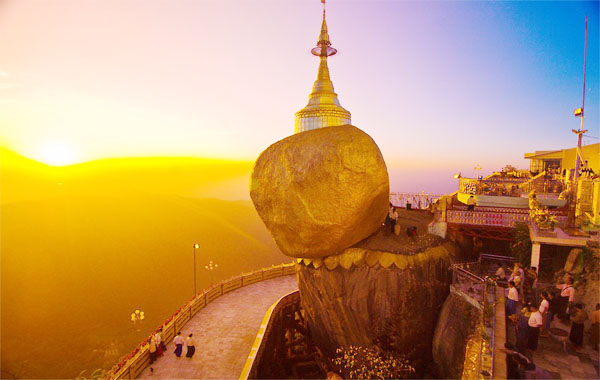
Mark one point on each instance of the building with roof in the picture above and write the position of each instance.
(559, 160)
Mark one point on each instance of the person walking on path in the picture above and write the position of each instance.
(178, 344)
(512, 299)
(159, 349)
(152, 349)
(191, 346)
(534, 324)
(544, 310)
(577, 321)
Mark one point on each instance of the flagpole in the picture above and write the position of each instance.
(581, 131)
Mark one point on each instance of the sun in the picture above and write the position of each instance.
(57, 154)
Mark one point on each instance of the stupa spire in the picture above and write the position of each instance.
(323, 109)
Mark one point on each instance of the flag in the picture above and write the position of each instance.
(579, 112)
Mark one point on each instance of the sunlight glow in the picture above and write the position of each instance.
(57, 154)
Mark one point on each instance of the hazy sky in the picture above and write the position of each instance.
(440, 86)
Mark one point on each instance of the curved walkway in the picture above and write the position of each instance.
(224, 332)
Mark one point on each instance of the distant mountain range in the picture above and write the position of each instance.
(26, 179)
(84, 246)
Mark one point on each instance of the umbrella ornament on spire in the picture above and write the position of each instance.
(323, 109)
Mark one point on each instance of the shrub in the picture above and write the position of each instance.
(365, 363)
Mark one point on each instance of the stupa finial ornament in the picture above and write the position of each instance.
(323, 109)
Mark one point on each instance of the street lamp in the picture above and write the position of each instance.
(477, 168)
(137, 317)
(210, 268)
(196, 246)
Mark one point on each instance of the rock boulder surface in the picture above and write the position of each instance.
(455, 325)
(321, 191)
(369, 298)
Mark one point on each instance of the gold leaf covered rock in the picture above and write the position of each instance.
(321, 191)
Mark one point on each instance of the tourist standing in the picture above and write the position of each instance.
(544, 310)
(531, 277)
(552, 310)
(471, 202)
(394, 219)
(159, 349)
(512, 299)
(500, 273)
(191, 346)
(577, 320)
(566, 298)
(178, 344)
(152, 349)
(522, 330)
(162, 340)
(595, 327)
(534, 325)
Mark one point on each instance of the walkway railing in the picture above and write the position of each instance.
(416, 200)
(132, 365)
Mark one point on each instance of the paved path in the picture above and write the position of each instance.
(573, 364)
(225, 331)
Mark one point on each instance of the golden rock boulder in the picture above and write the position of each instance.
(321, 191)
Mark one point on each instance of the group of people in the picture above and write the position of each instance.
(156, 346)
(525, 281)
(391, 222)
(536, 317)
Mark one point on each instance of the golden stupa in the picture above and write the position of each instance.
(323, 109)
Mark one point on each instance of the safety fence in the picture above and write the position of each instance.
(510, 187)
(413, 200)
(132, 365)
(505, 218)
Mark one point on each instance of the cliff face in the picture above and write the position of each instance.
(371, 298)
(455, 325)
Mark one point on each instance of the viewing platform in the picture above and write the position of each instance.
(224, 332)
(224, 321)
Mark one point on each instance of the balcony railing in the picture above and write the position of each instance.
(509, 187)
(495, 216)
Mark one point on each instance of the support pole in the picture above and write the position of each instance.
(535, 255)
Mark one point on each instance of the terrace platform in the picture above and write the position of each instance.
(224, 332)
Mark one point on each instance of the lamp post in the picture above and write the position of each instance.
(137, 317)
(196, 246)
(477, 168)
(210, 268)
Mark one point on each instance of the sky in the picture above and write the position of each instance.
(441, 86)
